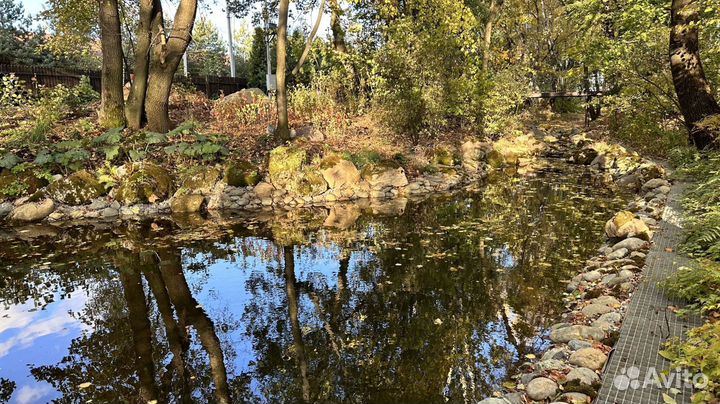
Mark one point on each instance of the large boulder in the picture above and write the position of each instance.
(624, 225)
(79, 188)
(585, 155)
(307, 182)
(244, 97)
(386, 174)
(198, 180)
(33, 211)
(442, 156)
(148, 183)
(241, 174)
(187, 203)
(284, 164)
(339, 173)
(473, 152)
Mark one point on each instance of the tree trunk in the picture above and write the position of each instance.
(336, 27)
(293, 312)
(189, 310)
(283, 129)
(693, 90)
(138, 318)
(487, 40)
(165, 56)
(310, 39)
(150, 16)
(111, 92)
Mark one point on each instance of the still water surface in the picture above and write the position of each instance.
(431, 301)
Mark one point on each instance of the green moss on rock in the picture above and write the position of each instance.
(308, 182)
(148, 184)
(284, 163)
(241, 174)
(198, 180)
(442, 156)
(76, 189)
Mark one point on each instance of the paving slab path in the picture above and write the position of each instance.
(650, 321)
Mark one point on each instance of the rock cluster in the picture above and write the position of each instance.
(597, 297)
(148, 189)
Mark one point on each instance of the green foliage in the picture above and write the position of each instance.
(12, 91)
(699, 285)
(699, 354)
(52, 106)
(641, 131)
(192, 145)
(702, 206)
(428, 75)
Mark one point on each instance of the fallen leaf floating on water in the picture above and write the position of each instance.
(84, 385)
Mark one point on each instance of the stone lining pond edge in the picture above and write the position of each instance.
(147, 190)
(572, 368)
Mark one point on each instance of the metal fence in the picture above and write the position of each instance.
(36, 77)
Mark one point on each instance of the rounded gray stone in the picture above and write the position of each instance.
(591, 358)
(541, 388)
(583, 375)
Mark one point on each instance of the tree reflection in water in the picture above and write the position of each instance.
(436, 304)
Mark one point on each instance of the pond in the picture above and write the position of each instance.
(408, 301)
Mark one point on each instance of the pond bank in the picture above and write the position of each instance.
(292, 180)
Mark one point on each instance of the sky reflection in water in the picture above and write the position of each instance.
(427, 301)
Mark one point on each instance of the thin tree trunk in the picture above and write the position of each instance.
(111, 92)
(150, 16)
(692, 88)
(165, 56)
(177, 336)
(336, 27)
(283, 129)
(487, 40)
(293, 311)
(310, 39)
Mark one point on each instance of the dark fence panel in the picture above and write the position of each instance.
(36, 77)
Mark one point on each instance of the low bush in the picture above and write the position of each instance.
(699, 284)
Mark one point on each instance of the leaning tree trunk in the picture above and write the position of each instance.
(165, 56)
(692, 88)
(111, 88)
(336, 26)
(487, 40)
(283, 129)
(150, 16)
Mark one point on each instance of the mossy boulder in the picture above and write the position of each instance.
(285, 162)
(187, 203)
(624, 224)
(241, 174)
(308, 182)
(198, 180)
(79, 188)
(387, 173)
(148, 183)
(443, 156)
(495, 159)
(16, 183)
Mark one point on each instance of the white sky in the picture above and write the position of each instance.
(215, 10)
